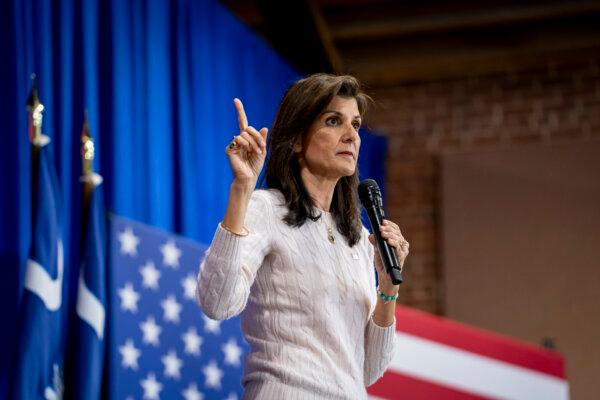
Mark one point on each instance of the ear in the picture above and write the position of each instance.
(297, 146)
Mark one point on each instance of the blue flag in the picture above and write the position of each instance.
(161, 344)
(42, 313)
(85, 372)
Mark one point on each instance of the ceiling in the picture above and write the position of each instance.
(386, 43)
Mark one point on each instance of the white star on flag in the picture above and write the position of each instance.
(171, 309)
(170, 254)
(130, 355)
(151, 387)
(232, 396)
(129, 298)
(212, 375)
(210, 325)
(172, 364)
(159, 343)
(129, 242)
(232, 352)
(151, 331)
(192, 393)
(150, 275)
(189, 287)
(192, 341)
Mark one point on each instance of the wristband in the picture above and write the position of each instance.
(385, 297)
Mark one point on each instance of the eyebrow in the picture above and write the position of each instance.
(339, 113)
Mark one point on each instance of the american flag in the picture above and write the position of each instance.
(161, 345)
(437, 358)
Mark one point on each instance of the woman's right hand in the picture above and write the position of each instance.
(247, 156)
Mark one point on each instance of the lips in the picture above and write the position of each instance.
(346, 153)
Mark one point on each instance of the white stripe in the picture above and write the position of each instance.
(470, 372)
(89, 308)
(38, 281)
(371, 397)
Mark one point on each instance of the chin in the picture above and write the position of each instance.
(348, 172)
(340, 170)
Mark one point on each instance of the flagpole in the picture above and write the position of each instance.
(89, 179)
(87, 159)
(35, 108)
(39, 368)
(35, 118)
(86, 383)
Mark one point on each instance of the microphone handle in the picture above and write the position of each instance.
(388, 256)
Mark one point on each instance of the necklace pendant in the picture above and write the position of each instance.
(330, 236)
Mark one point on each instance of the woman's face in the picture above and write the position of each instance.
(330, 148)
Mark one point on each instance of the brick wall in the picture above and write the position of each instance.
(421, 120)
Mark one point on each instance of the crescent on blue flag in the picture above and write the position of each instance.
(85, 371)
(42, 314)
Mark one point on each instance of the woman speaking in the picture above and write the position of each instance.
(294, 258)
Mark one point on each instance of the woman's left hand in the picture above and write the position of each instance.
(393, 236)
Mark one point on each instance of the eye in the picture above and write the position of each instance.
(332, 121)
(356, 125)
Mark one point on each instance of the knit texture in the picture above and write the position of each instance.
(306, 305)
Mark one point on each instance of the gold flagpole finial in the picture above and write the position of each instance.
(87, 147)
(35, 108)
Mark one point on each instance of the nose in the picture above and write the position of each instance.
(350, 134)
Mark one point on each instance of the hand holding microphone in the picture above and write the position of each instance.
(391, 245)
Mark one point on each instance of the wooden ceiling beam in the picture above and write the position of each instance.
(291, 28)
(356, 27)
(325, 35)
(404, 66)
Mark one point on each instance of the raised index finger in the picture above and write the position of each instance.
(241, 114)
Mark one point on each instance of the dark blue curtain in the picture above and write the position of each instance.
(157, 79)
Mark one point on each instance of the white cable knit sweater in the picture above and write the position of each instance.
(306, 305)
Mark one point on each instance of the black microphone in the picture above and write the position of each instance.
(370, 197)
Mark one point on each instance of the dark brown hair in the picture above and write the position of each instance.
(301, 105)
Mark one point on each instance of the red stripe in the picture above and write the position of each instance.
(394, 386)
(478, 341)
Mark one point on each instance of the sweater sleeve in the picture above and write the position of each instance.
(379, 350)
(379, 341)
(231, 262)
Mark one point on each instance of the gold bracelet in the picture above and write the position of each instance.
(245, 233)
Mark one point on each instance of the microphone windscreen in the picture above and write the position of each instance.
(366, 190)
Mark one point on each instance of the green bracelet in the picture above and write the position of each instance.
(386, 298)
